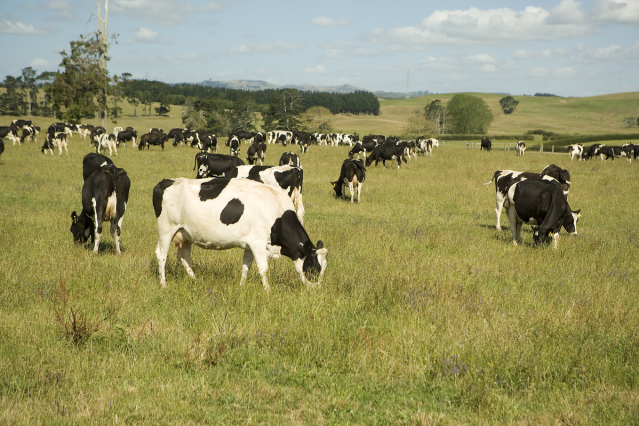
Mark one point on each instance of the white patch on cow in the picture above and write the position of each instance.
(110, 211)
(104, 164)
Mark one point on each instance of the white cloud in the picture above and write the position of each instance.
(248, 48)
(323, 21)
(147, 36)
(164, 12)
(315, 70)
(610, 53)
(545, 54)
(539, 73)
(616, 11)
(482, 59)
(567, 12)
(12, 27)
(39, 63)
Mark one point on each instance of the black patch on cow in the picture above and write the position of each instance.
(232, 212)
(254, 173)
(213, 188)
(158, 194)
(231, 173)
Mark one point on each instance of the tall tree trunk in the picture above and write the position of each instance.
(103, 34)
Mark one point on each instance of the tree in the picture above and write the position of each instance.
(317, 119)
(630, 121)
(12, 101)
(436, 113)
(30, 88)
(44, 79)
(468, 114)
(116, 94)
(420, 125)
(508, 104)
(242, 115)
(283, 110)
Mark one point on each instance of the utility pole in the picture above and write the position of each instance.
(103, 33)
(407, 84)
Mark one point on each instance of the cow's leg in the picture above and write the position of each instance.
(350, 187)
(97, 207)
(133, 142)
(162, 251)
(184, 255)
(499, 205)
(247, 260)
(519, 225)
(359, 191)
(261, 256)
(116, 149)
(512, 218)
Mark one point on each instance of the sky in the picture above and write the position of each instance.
(563, 47)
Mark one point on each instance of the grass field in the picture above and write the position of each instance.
(427, 315)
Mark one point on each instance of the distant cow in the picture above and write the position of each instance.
(11, 132)
(256, 152)
(521, 148)
(176, 135)
(425, 146)
(575, 151)
(234, 145)
(485, 144)
(52, 140)
(628, 150)
(92, 162)
(148, 139)
(352, 173)
(208, 141)
(30, 132)
(127, 135)
(215, 165)
(20, 123)
(561, 175)
(107, 141)
(105, 194)
(290, 159)
(387, 151)
(593, 150)
(221, 214)
(362, 147)
(156, 130)
(542, 205)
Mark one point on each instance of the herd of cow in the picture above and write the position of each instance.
(260, 208)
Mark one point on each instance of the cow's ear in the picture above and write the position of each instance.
(320, 244)
(308, 247)
(577, 212)
(74, 217)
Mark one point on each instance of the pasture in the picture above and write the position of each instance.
(426, 315)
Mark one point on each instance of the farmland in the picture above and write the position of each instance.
(426, 315)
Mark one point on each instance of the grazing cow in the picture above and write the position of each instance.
(561, 175)
(353, 173)
(611, 152)
(176, 135)
(191, 137)
(409, 148)
(575, 151)
(107, 141)
(117, 130)
(380, 139)
(215, 165)
(290, 159)
(157, 139)
(29, 132)
(362, 147)
(95, 135)
(104, 196)
(387, 151)
(485, 144)
(628, 150)
(304, 141)
(503, 180)
(542, 205)
(85, 130)
(247, 136)
(156, 130)
(53, 140)
(92, 162)
(220, 214)
(521, 148)
(234, 145)
(256, 152)
(593, 150)
(286, 178)
(425, 146)
(127, 135)
(10, 132)
(20, 123)
(208, 141)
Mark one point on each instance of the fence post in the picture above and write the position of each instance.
(541, 148)
(553, 149)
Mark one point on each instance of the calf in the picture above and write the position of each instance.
(387, 151)
(290, 159)
(561, 175)
(215, 165)
(542, 205)
(521, 148)
(352, 173)
(575, 151)
(485, 144)
(148, 139)
(104, 196)
(220, 214)
(92, 162)
(425, 146)
(286, 178)
(256, 152)
(107, 141)
(127, 135)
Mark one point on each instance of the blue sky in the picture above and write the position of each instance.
(565, 47)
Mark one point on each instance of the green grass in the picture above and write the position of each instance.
(427, 314)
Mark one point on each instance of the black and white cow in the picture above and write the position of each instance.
(208, 141)
(85, 130)
(127, 135)
(20, 123)
(92, 162)
(53, 140)
(95, 135)
(353, 173)
(191, 137)
(234, 145)
(593, 150)
(380, 139)
(362, 148)
(629, 150)
(485, 144)
(426, 145)
(156, 138)
(220, 214)
(575, 150)
(542, 205)
(176, 135)
(107, 141)
(520, 148)
(350, 139)
(387, 151)
(31, 133)
(105, 194)
(156, 130)
(560, 175)
(290, 159)
(303, 139)
(256, 152)
(11, 132)
(285, 178)
(611, 152)
(215, 165)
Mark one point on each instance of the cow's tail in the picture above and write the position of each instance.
(489, 182)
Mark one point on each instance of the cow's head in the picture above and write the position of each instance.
(80, 229)
(542, 236)
(202, 172)
(337, 187)
(369, 160)
(570, 222)
(435, 142)
(314, 259)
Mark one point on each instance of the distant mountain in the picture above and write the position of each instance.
(400, 95)
(255, 85)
